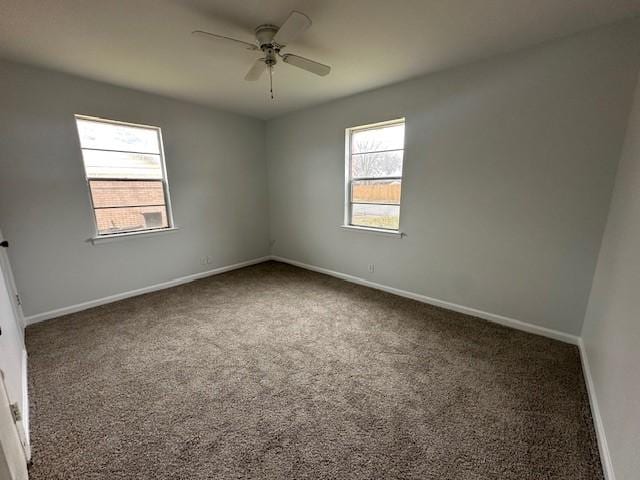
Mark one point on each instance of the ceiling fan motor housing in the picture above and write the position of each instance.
(264, 35)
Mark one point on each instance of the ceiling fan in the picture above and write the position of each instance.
(271, 39)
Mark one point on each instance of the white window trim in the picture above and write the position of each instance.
(347, 180)
(101, 238)
(123, 236)
(377, 231)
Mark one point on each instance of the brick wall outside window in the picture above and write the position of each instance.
(141, 205)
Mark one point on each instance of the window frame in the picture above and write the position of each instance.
(348, 203)
(165, 181)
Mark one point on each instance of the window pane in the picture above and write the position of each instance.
(100, 164)
(112, 136)
(375, 139)
(387, 164)
(377, 216)
(124, 193)
(115, 220)
(376, 191)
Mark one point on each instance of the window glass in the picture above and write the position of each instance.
(124, 167)
(374, 175)
(376, 216)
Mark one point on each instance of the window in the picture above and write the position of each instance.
(375, 154)
(125, 171)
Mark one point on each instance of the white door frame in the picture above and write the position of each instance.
(15, 335)
(5, 266)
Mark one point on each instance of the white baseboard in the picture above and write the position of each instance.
(40, 317)
(603, 447)
(492, 317)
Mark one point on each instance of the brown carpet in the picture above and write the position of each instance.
(273, 372)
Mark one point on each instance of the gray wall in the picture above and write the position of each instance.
(216, 172)
(509, 168)
(611, 332)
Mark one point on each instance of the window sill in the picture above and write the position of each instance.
(375, 231)
(122, 236)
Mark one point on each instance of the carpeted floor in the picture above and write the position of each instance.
(273, 372)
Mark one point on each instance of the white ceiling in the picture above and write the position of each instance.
(146, 44)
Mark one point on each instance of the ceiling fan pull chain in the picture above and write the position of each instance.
(271, 80)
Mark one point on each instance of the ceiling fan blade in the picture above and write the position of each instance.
(294, 25)
(256, 70)
(306, 64)
(228, 40)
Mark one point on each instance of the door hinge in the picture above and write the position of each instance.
(15, 412)
(18, 300)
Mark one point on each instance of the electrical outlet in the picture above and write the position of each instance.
(209, 260)
(371, 268)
